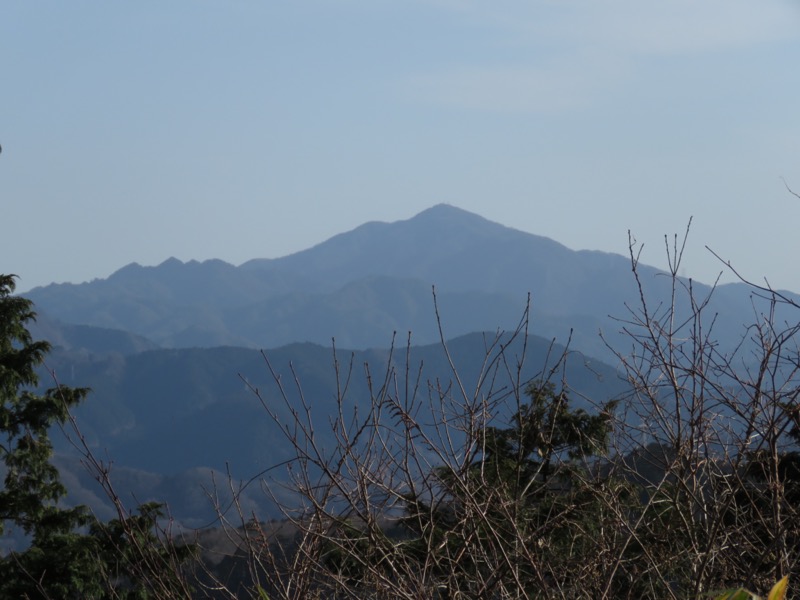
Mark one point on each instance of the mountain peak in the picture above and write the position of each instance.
(443, 208)
(448, 220)
(170, 263)
(447, 211)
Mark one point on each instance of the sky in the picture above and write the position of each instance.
(240, 129)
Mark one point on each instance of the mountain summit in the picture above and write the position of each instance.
(361, 286)
(443, 246)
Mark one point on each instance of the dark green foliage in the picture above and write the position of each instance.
(31, 483)
(528, 494)
(124, 558)
(58, 563)
(136, 561)
(545, 429)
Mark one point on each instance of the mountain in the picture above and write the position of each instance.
(444, 245)
(358, 287)
(99, 341)
(169, 351)
(362, 286)
(159, 409)
(167, 416)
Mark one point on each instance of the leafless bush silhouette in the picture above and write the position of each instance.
(706, 435)
(500, 488)
(503, 486)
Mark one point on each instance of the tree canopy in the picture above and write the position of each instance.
(69, 553)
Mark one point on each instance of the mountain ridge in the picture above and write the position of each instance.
(309, 295)
(164, 412)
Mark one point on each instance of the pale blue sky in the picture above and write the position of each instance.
(240, 129)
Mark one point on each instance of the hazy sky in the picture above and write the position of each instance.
(136, 131)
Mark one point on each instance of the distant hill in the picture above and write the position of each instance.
(93, 340)
(173, 415)
(178, 399)
(361, 286)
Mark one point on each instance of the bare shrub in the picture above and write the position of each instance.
(507, 485)
(500, 488)
(706, 434)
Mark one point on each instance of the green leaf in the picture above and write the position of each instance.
(778, 591)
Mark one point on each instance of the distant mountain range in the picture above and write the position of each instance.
(163, 347)
(361, 286)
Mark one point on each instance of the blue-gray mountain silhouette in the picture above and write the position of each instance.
(361, 286)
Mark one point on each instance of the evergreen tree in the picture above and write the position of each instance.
(527, 492)
(69, 554)
(58, 562)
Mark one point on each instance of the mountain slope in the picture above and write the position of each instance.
(161, 409)
(363, 285)
(166, 416)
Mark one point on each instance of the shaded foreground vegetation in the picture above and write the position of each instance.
(69, 553)
(687, 484)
